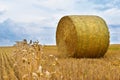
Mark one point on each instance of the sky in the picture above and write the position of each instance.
(38, 19)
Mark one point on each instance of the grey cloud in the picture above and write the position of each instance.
(101, 2)
(2, 12)
(114, 34)
(11, 32)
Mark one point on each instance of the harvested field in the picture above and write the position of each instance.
(106, 68)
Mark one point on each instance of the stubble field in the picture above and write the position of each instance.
(44, 63)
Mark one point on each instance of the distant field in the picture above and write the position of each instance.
(114, 49)
(106, 68)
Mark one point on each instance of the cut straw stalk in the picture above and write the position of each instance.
(82, 36)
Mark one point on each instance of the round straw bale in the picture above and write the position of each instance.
(82, 36)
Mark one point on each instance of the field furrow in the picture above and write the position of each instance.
(23, 67)
(9, 68)
(0, 66)
(11, 63)
(3, 71)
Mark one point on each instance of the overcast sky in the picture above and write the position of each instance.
(38, 19)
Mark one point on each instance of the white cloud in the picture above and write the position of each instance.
(3, 9)
(109, 10)
(42, 10)
(50, 11)
(56, 4)
(33, 15)
(111, 15)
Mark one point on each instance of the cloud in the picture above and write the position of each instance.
(6, 42)
(107, 3)
(11, 32)
(2, 12)
(114, 34)
(109, 10)
(114, 38)
(38, 19)
(50, 11)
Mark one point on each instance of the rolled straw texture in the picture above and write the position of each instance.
(82, 36)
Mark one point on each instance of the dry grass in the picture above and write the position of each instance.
(106, 68)
(32, 64)
(47, 68)
(27, 62)
(82, 36)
